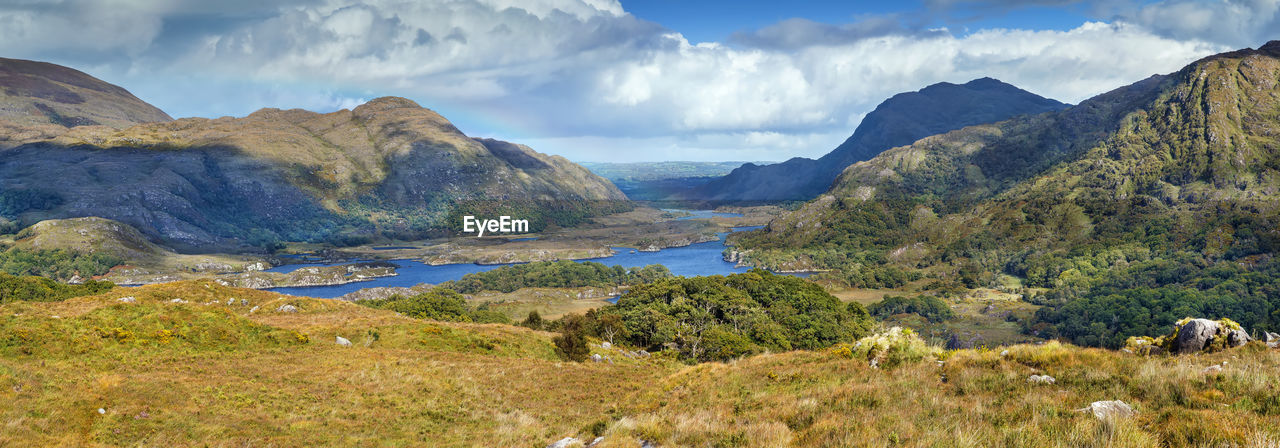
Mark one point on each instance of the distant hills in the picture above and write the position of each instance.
(388, 168)
(899, 120)
(659, 181)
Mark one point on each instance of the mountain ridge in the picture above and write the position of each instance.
(899, 120)
(388, 168)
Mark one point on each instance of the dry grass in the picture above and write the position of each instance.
(232, 377)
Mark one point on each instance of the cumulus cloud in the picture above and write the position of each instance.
(579, 77)
(1236, 23)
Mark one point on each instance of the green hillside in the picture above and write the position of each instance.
(1142, 204)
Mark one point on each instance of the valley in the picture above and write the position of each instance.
(975, 265)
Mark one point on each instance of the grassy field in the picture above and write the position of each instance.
(222, 367)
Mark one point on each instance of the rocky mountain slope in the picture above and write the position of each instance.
(387, 168)
(900, 120)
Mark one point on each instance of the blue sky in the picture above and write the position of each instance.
(600, 80)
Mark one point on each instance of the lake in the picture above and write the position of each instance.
(692, 260)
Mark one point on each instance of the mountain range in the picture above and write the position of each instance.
(899, 120)
(388, 168)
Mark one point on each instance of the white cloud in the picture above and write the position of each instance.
(583, 77)
(1237, 23)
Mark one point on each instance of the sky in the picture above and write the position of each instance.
(610, 81)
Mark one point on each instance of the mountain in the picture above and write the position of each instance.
(1155, 200)
(40, 93)
(388, 168)
(899, 120)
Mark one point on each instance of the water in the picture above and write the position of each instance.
(692, 260)
(701, 214)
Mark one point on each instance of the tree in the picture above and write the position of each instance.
(571, 344)
(611, 325)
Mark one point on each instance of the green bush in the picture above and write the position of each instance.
(718, 317)
(571, 343)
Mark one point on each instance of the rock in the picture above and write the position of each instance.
(177, 301)
(1212, 370)
(286, 308)
(1041, 379)
(343, 341)
(254, 309)
(1196, 335)
(595, 442)
(1104, 410)
(597, 358)
(647, 444)
(565, 443)
(102, 411)
(231, 301)
(606, 345)
(1272, 339)
(75, 280)
(128, 299)
(244, 302)
(1004, 353)
(1236, 338)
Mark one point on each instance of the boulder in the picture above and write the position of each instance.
(286, 308)
(595, 442)
(1272, 339)
(343, 341)
(1212, 370)
(597, 358)
(128, 299)
(1194, 336)
(1110, 409)
(606, 345)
